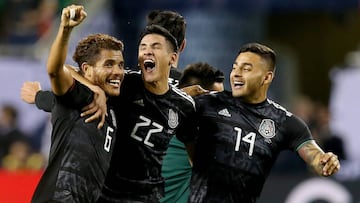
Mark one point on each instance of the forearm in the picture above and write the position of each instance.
(60, 79)
(58, 51)
(81, 78)
(98, 108)
(311, 153)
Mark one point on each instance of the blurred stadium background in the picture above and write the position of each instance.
(318, 72)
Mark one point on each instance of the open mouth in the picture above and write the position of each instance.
(114, 83)
(149, 64)
(238, 84)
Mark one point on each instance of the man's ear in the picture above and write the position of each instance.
(173, 59)
(85, 68)
(182, 46)
(269, 76)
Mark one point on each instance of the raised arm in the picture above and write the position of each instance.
(324, 164)
(60, 79)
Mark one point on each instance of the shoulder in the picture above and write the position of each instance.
(213, 97)
(295, 122)
(132, 75)
(132, 81)
(181, 96)
(78, 96)
(279, 108)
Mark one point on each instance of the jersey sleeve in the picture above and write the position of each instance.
(188, 129)
(191, 125)
(77, 97)
(44, 100)
(298, 132)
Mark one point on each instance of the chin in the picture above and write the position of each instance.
(113, 92)
(149, 79)
(237, 94)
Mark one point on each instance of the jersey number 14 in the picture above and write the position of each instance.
(249, 138)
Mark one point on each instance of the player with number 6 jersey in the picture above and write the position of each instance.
(80, 153)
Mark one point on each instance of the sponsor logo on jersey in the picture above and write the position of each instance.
(173, 121)
(139, 102)
(224, 112)
(267, 129)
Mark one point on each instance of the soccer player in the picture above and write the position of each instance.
(170, 20)
(175, 23)
(80, 153)
(242, 132)
(150, 113)
(45, 97)
(203, 74)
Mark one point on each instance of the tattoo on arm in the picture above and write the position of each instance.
(311, 153)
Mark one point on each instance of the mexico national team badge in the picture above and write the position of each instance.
(173, 119)
(267, 129)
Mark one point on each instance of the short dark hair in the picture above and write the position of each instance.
(263, 51)
(202, 74)
(88, 49)
(173, 21)
(10, 112)
(156, 29)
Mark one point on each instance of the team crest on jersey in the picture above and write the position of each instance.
(173, 119)
(267, 129)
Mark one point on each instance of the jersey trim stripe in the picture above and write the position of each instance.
(183, 94)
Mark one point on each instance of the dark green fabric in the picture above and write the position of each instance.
(176, 170)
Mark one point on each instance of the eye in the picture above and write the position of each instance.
(142, 47)
(121, 65)
(108, 65)
(247, 68)
(156, 46)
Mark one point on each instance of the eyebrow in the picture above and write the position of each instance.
(110, 60)
(152, 44)
(244, 64)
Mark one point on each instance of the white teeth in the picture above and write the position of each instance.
(148, 61)
(238, 83)
(115, 82)
(149, 64)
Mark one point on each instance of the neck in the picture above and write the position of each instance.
(254, 99)
(157, 88)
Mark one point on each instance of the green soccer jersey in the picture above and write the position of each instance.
(176, 170)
